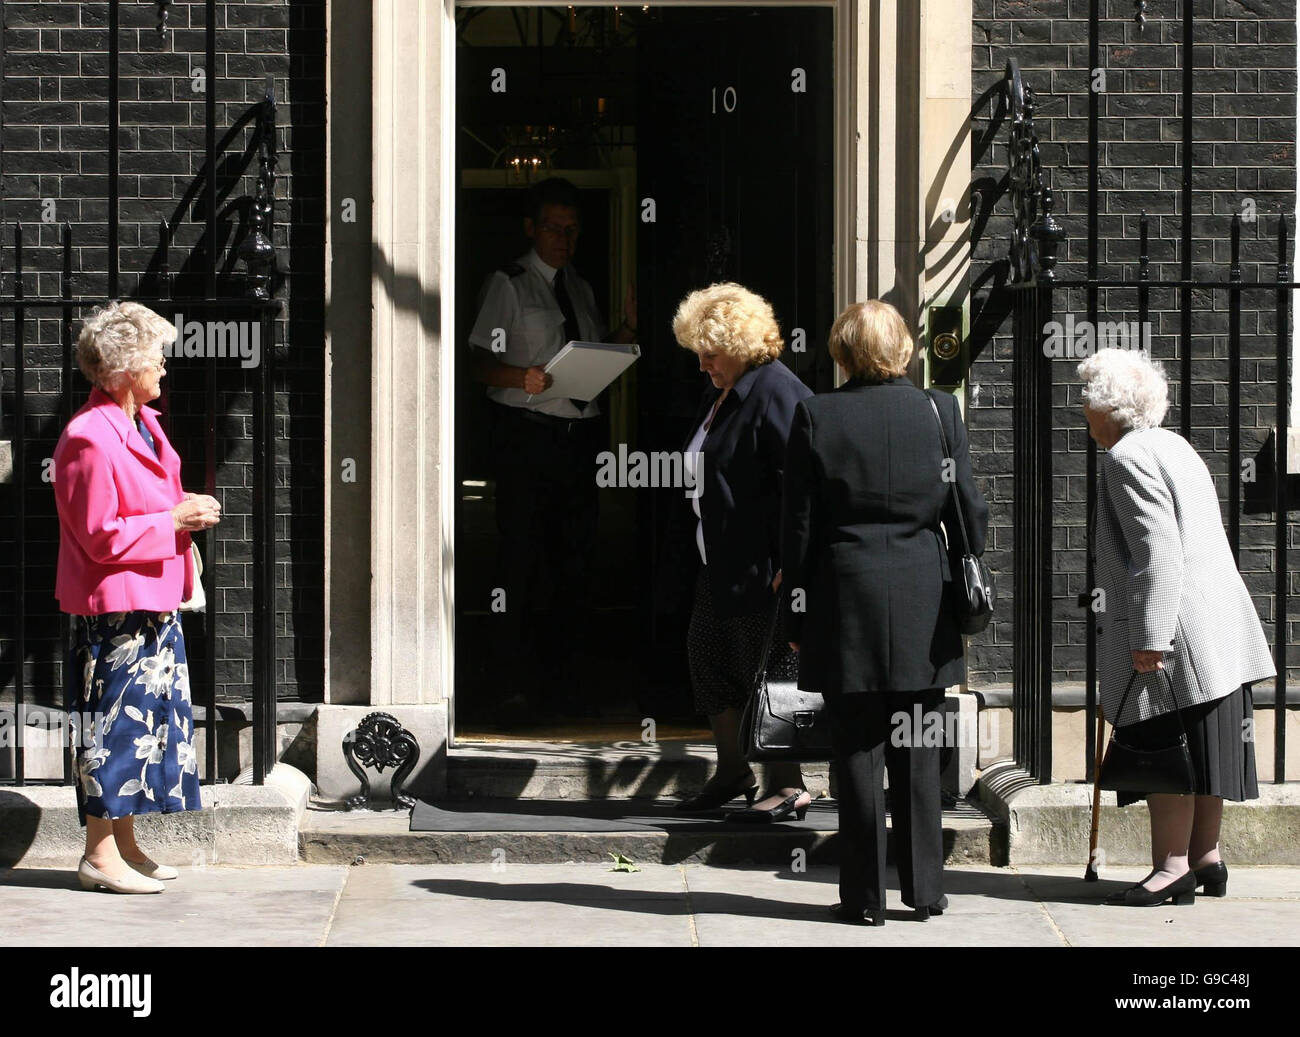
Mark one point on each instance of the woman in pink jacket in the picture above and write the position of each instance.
(124, 568)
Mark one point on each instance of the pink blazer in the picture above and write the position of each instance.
(118, 547)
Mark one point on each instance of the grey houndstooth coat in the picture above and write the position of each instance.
(1169, 581)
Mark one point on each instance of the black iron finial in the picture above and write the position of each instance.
(257, 250)
(1140, 13)
(1234, 265)
(163, 9)
(1048, 233)
(1144, 256)
(1283, 259)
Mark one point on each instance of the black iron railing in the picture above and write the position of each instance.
(246, 299)
(1038, 295)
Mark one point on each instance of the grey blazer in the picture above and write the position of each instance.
(1169, 582)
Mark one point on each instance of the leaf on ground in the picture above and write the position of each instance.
(622, 863)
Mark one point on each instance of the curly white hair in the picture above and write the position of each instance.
(118, 340)
(1129, 384)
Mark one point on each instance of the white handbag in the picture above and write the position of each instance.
(197, 602)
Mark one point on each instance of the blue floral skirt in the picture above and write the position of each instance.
(129, 687)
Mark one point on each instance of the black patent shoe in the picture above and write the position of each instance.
(937, 908)
(712, 798)
(1181, 891)
(780, 812)
(1214, 877)
(857, 916)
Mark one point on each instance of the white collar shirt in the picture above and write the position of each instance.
(520, 322)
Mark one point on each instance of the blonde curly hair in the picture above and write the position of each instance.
(118, 340)
(728, 318)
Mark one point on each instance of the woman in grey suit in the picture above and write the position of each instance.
(1171, 599)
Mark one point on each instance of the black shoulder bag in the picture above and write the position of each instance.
(972, 592)
(780, 722)
(1128, 768)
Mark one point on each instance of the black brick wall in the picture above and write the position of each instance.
(1245, 149)
(54, 146)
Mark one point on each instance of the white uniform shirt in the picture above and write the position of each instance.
(526, 308)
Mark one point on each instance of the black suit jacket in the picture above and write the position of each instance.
(743, 458)
(864, 498)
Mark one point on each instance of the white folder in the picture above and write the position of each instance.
(581, 370)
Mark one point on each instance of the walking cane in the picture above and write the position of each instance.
(1090, 875)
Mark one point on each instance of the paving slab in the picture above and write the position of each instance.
(735, 907)
(588, 904)
(224, 907)
(523, 881)
(524, 905)
(1051, 881)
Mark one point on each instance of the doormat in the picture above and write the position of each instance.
(599, 815)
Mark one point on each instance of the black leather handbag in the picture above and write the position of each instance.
(971, 592)
(1128, 768)
(780, 722)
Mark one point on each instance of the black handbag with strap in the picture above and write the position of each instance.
(972, 593)
(1130, 768)
(781, 722)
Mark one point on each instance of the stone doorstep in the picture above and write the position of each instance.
(384, 837)
(626, 770)
(238, 825)
(576, 770)
(1050, 824)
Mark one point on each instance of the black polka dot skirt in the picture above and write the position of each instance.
(723, 654)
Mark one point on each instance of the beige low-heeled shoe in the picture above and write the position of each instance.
(154, 870)
(91, 877)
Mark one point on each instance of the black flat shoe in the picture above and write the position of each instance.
(712, 798)
(1214, 877)
(857, 916)
(937, 908)
(778, 813)
(1181, 891)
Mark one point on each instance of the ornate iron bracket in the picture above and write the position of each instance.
(257, 250)
(380, 741)
(1035, 234)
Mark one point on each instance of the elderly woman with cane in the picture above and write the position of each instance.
(124, 568)
(1179, 641)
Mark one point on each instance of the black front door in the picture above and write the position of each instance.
(735, 146)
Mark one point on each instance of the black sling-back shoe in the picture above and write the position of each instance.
(780, 812)
(1214, 877)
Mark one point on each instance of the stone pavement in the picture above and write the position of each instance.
(588, 904)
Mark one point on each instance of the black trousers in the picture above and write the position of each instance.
(546, 513)
(869, 737)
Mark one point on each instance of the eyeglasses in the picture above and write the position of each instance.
(571, 231)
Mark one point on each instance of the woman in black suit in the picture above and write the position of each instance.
(736, 452)
(866, 487)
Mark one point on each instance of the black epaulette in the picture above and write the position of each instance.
(514, 270)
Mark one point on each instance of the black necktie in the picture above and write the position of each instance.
(571, 332)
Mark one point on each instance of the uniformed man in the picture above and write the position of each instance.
(544, 451)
